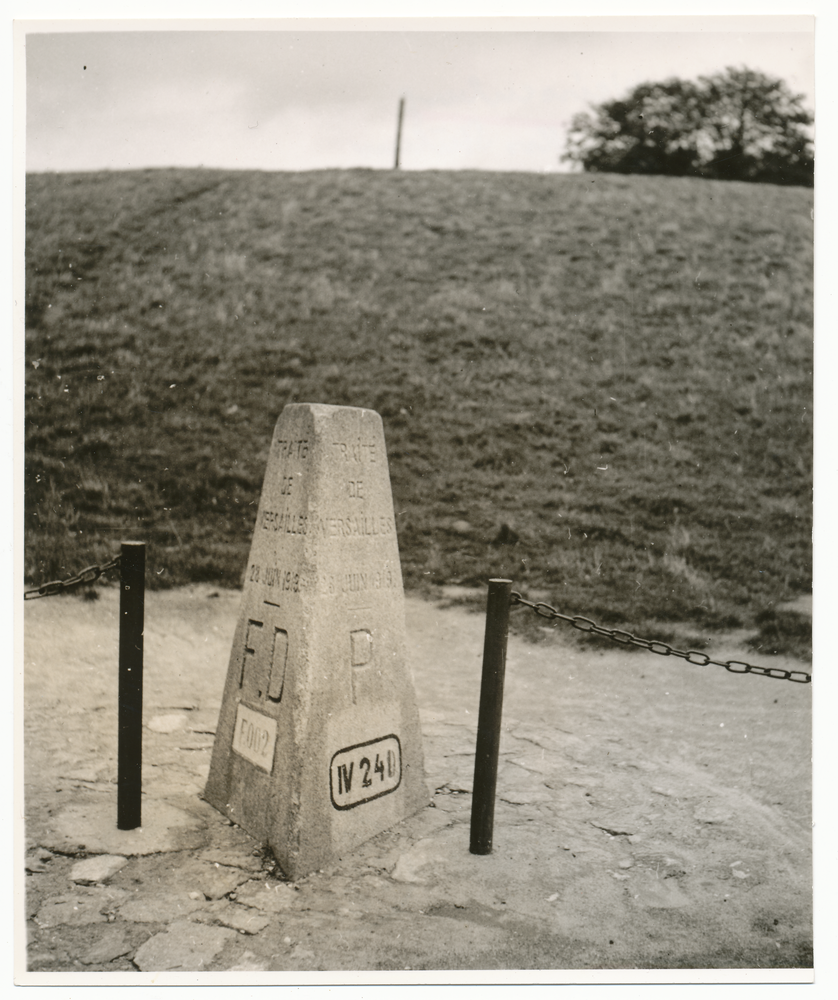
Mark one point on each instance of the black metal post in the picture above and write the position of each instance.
(131, 613)
(489, 718)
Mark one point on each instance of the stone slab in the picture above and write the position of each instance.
(249, 962)
(270, 897)
(161, 907)
(97, 869)
(217, 881)
(318, 743)
(168, 723)
(184, 947)
(70, 910)
(238, 918)
(112, 942)
(92, 827)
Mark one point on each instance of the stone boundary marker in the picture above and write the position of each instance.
(318, 744)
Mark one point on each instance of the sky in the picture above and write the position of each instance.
(309, 99)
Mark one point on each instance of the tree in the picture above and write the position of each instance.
(736, 125)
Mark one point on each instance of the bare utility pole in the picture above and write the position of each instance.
(399, 133)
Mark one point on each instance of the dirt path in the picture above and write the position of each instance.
(650, 814)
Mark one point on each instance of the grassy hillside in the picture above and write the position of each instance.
(618, 368)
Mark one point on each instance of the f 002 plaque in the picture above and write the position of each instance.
(255, 737)
(366, 771)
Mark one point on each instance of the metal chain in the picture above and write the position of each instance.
(88, 575)
(662, 648)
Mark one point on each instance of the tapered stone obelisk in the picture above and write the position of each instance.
(318, 745)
